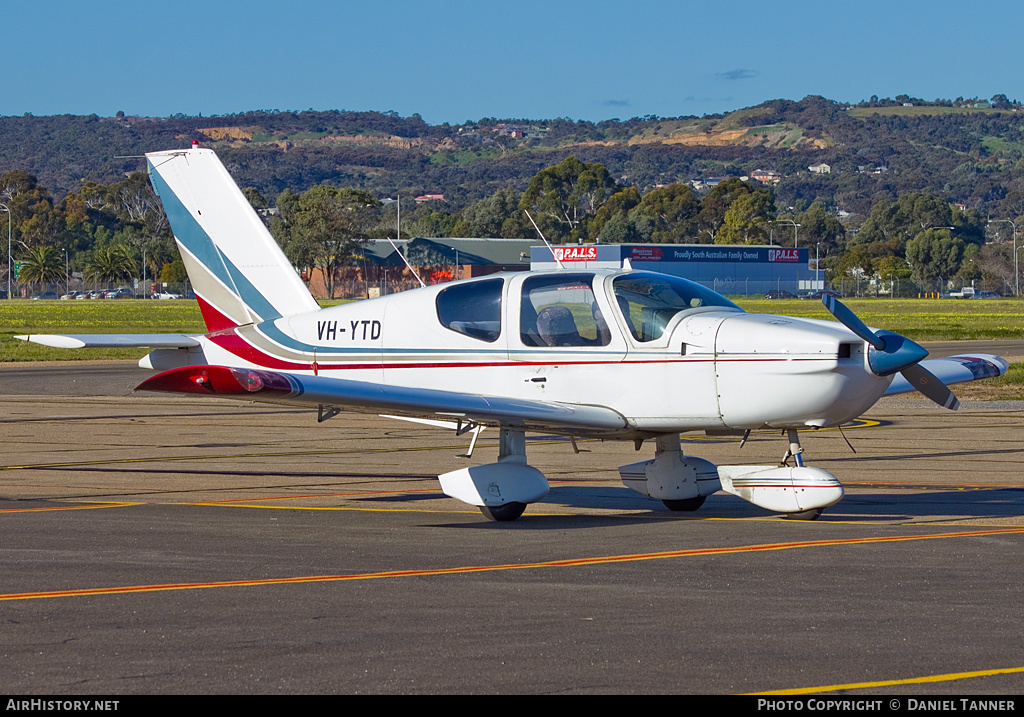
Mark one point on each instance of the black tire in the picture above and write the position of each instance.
(503, 513)
(689, 504)
(805, 515)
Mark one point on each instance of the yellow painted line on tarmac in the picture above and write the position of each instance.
(912, 484)
(367, 493)
(351, 509)
(68, 507)
(462, 570)
(349, 494)
(889, 683)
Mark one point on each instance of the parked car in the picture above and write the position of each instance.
(987, 295)
(122, 293)
(166, 295)
(780, 294)
(46, 295)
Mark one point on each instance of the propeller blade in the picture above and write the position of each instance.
(849, 319)
(893, 353)
(929, 384)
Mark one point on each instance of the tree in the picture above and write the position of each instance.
(562, 197)
(435, 224)
(173, 272)
(495, 216)
(934, 255)
(111, 264)
(673, 211)
(635, 228)
(820, 227)
(715, 204)
(257, 200)
(747, 218)
(134, 202)
(42, 265)
(618, 205)
(892, 268)
(896, 223)
(328, 226)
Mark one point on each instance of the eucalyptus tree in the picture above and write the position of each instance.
(748, 219)
(562, 198)
(326, 226)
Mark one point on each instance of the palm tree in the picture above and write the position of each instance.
(111, 264)
(42, 265)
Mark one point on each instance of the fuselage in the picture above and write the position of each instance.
(665, 353)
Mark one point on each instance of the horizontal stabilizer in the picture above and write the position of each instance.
(275, 386)
(955, 369)
(105, 341)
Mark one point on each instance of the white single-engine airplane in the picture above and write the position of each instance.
(611, 354)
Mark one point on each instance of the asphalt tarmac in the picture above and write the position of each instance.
(163, 545)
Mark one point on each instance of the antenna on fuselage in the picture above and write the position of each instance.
(546, 243)
(406, 262)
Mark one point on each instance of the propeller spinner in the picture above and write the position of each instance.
(890, 353)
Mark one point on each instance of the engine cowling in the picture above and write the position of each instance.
(671, 476)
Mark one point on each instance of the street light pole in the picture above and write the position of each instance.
(795, 225)
(1016, 272)
(8, 210)
(817, 266)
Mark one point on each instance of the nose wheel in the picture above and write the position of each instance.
(805, 515)
(503, 513)
(687, 504)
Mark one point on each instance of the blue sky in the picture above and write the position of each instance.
(457, 60)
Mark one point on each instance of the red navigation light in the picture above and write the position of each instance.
(248, 380)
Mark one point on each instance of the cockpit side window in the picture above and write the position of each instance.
(473, 309)
(648, 301)
(561, 310)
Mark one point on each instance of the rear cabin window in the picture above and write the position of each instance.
(561, 310)
(472, 309)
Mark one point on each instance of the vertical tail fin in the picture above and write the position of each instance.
(238, 272)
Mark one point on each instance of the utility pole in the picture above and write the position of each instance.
(7, 209)
(1016, 272)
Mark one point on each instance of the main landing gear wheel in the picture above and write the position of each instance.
(805, 515)
(689, 504)
(502, 513)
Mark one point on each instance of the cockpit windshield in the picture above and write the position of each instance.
(648, 301)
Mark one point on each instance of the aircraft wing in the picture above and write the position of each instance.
(955, 369)
(78, 341)
(275, 386)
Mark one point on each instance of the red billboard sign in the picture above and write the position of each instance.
(576, 253)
